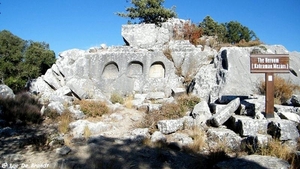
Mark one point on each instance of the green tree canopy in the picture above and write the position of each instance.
(21, 60)
(148, 11)
(232, 32)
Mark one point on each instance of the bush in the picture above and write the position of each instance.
(116, 98)
(283, 89)
(189, 32)
(276, 149)
(23, 107)
(93, 108)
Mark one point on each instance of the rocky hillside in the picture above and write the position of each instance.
(152, 70)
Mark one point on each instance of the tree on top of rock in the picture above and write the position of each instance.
(148, 11)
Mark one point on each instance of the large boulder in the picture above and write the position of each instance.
(6, 92)
(235, 65)
(149, 35)
(222, 116)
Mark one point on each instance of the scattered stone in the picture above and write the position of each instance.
(201, 113)
(63, 150)
(217, 137)
(170, 126)
(181, 139)
(296, 100)
(157, 136)
(283, 130)
(221, 117)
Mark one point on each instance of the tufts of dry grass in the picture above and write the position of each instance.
(283, 89)
(168, 53)
(87, 132)
(116, 98)
(276, 149)
(172, 110)
(243, 43)
(93, 108)
(64, 120)
(128, 101)
(199, 140)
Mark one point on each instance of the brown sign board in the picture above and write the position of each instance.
(269, 63)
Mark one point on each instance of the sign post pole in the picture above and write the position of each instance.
(269, 64)
(269, 100)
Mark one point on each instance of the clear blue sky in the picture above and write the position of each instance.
(67, 24)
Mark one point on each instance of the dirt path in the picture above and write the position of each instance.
(110, 149)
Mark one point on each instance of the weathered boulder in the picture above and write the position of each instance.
(139, 134)
(181, 139)
(57, 106)
(170, 126)
(254, 161)
(201, 112)
(296, 100)
(158, 136)
(6, 92)
(217, 137)
(247, 126)
(221, 117)
(149, 35)
(283, 129)
(78, 127)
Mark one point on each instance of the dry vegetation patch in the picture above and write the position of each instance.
(93, 108)
(167, 111)
(283, 89)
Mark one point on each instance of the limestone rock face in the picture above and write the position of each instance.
(235, 65)
(148, 35)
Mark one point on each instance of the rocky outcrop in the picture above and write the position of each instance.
(6, 92)
(155, 68)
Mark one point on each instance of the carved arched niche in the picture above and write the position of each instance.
(157, 70)
(110, 71)
(135, 69)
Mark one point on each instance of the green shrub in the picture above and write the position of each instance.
(23, 107)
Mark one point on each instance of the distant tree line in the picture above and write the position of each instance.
(21, 60)
(152, 11)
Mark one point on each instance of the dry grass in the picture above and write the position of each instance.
(276, 149)
(87, 132)
(199, 140)
(172, 110)
(168, 53)
(283, 89)
(243, 43)
(64, 120)
(116, 98)
(93, 108)
(128, 101)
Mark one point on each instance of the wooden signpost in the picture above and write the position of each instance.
(269, 64)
